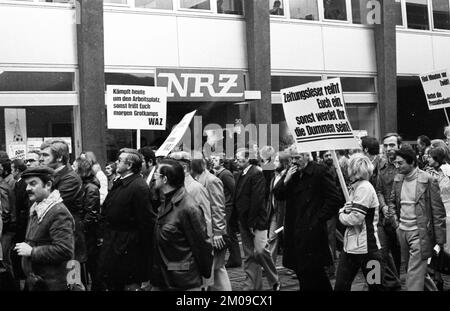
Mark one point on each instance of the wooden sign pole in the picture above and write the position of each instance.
(340, 175)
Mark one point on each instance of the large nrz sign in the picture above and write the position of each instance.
(201, 85)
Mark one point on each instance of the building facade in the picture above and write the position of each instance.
(57, 56)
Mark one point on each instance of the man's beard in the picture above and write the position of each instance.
(329, 162)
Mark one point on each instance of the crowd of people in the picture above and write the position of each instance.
(167, 223)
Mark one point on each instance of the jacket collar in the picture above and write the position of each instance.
(43, 207)
(127, 180)
(176, 199)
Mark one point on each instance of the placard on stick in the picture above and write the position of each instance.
(316, 116)
(436, 86)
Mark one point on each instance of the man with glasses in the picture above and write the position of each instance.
(127, 221)
(32, 159)
(183, 249)
(390, 248)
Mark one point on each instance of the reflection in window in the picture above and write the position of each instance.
(358, 9)
(304, 9)
(26, 81)
(398, 13)
(358, 84)
(282, 82)
(154, 4)
(335, 9)
(276, 7)
(363, 117)
(230, 7)
(115, 1)
(196, 4)
(441, 14)
(417, 14)
(145, 79)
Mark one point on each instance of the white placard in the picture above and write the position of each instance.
(136, 107)
(34, 143)
(175, 136)
(15, 129)
(17, 150)
(316, 116)
(436, 86)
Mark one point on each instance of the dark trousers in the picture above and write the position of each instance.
(313, 279)
(349, 265)
(389, 248)
(233, 243)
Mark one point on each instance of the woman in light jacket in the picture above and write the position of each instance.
(360, 216)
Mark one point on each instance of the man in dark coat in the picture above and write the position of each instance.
(49, 241)
(182, 248)
(311, 199)
(253, 223)
(127, 221)
(55, 154)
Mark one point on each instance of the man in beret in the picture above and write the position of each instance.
(49, 241)
(127, 221)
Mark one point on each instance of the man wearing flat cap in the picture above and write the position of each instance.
(127, 221)
(49, 241)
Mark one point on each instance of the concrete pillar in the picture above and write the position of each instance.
(258, 54)
(91, 77)
(386, 56)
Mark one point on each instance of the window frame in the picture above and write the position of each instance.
(431, 14)
(212, 7)
(405, 15)
(348, 8)
(288, 15)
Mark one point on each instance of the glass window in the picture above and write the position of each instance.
(335, 9)
(398, 13)
(358, 9)
(56, 1)
(441, 14)
(154, 4)
(417, 14)
(276, 7)
(115, 1)
(352, 84)
(195, 4)
(282, 82)
(304, 9)
(18, 81)
(413, 116)
(145, 79)
(363, 117)
(26, 124)
(230, 7)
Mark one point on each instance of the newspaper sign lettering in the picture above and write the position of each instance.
(436, 86)
(175, 136)
(316, 116)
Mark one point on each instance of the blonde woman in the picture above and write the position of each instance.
(362, 249)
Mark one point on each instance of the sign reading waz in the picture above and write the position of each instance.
(316, 116)
(136, 107)
(190, 85)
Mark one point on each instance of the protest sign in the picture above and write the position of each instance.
(316, 116)
(176, 135)
(136, 107)
(17, 150)
(436, 86)
(34, 143)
